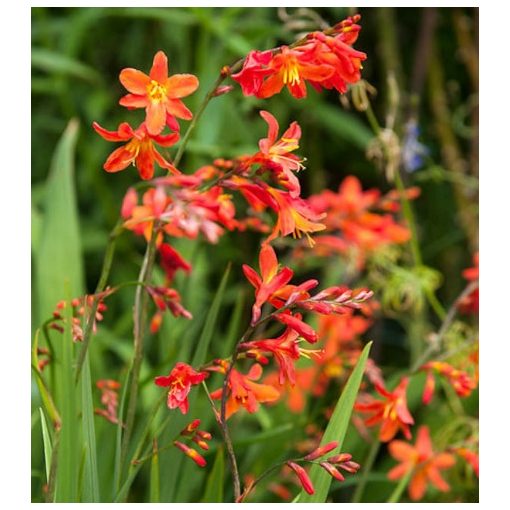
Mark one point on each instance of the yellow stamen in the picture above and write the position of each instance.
(156, 91)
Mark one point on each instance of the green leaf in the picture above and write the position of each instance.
(91, 477)
(52, 62)
(59, 256)
(210, 323)
(154, 480)
(69, 448)
(48, 447)
(214, 486)
(336, 429)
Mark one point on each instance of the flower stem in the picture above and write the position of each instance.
(399, 489)
(367, 467)
(101, 285)
(139, 320)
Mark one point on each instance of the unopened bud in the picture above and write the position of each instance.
(223, 89)
(192, 454)
(321, 450)
(190, 428)
(342, 457)
(303, 477)
(350, 467)
(332, 470)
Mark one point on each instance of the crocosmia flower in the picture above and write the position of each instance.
(420, 458)
(391, 413)
(244, 392)
(139, 150)
(180, 380)
(158, 93)
(275, 153)
(270, 281)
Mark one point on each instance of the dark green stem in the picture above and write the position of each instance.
(101, 285)
(139, 320)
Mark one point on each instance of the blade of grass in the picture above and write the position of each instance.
(69, 450)
(117, 470)
(91, 477)
(48, 447)
(53, 62)
(336, 429)
(154, 480)
(214, 486)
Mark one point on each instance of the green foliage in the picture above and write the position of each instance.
(336, 430)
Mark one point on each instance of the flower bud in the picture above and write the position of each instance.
(321, 450)
(303, 477)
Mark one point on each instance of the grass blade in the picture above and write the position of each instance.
(48, 447)
(214, 486)
(336, 429)
(69, 449)
(91, 478)
(154, 480)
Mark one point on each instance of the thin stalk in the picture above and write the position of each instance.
(101, 285)
(447, 322)
(399, 489)
(367, 467)
(139, 319)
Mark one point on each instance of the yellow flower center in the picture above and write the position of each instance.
(156, 91)
(291, 73)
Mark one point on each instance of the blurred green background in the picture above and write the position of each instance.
(77, 54)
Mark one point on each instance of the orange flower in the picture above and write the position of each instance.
(159, 94)
(180, 380)
(243, 392)
(139, 150)
(462, 383)
(426, 464)
(294, 216)
(470, 304)
(392, 412)
(276, 154)
(285, 349)
(270, 281)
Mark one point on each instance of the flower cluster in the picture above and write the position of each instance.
(80, 309)
(323, 60)
(109, 398)
(161, 96)
(199, 437)
(358, 220)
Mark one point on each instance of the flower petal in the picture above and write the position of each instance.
(156, 117)
(177, 108)
(118, 160)
(159, 69)
(134, 81)
(133, 101)
(181, 85)
(123, 133)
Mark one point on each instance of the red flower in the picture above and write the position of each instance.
(462, 383)
(470, 304)
(426, 464)
(392, 412)
(180, 380)
(171, 260)
(276, 154)
(253, 72)
(159, 94)
(243, 392)
(285, 349)
(271, 281)
(139, 150)
(291, 67)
